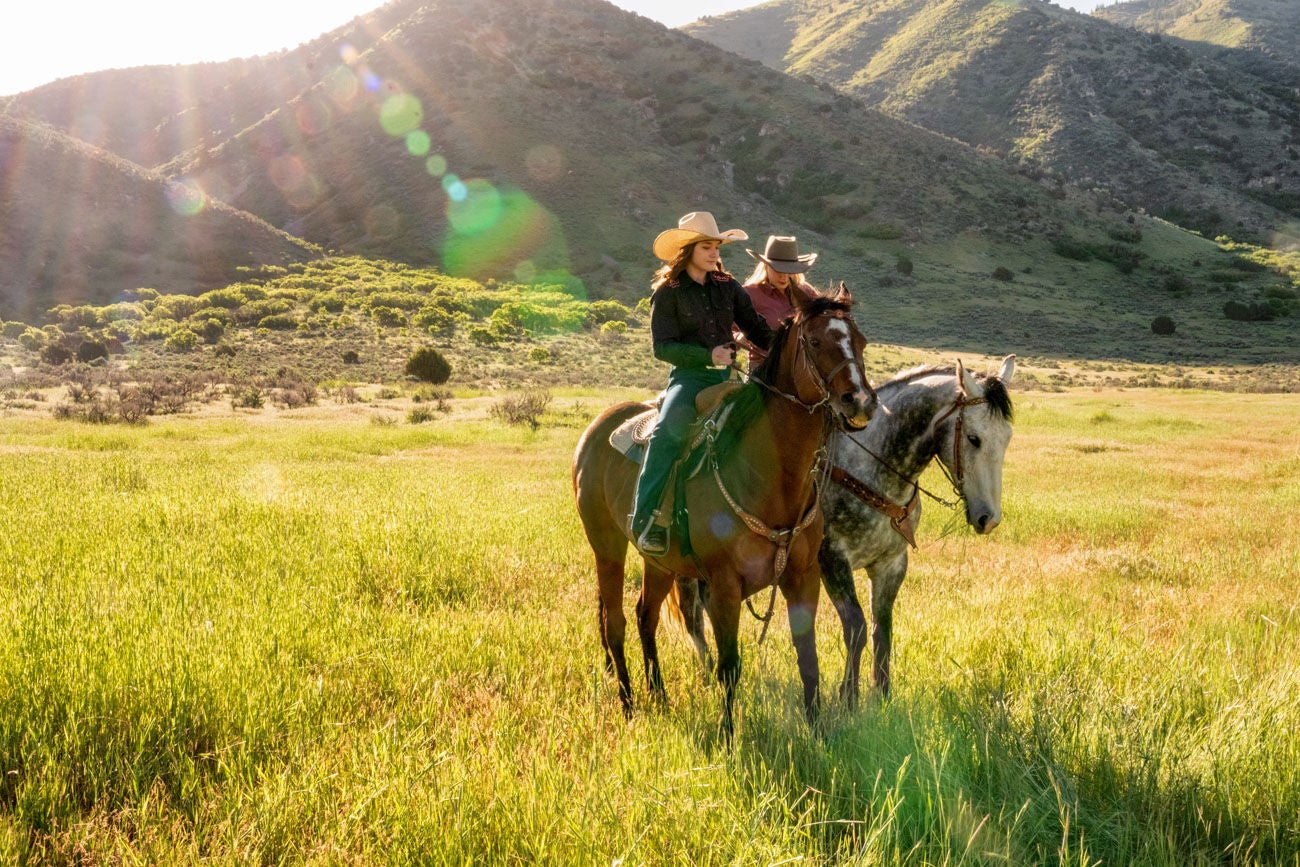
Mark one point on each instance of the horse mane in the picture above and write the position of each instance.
(747, 402)
(995, 390)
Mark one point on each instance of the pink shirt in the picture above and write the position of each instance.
(773, 305)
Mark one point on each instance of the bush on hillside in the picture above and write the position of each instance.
(54, 354)
(1163, 326)
(181, 340)
(210, 330)
(91, 350)
(600, 312)
(428, 365)
(278, 322)
(1240, 311)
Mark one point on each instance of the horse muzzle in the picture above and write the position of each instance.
(856, 408)
(982, 519)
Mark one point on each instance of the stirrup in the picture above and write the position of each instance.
(653, 541)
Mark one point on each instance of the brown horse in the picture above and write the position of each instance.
(752, 517)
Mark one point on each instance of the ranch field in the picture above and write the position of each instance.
(332, 636)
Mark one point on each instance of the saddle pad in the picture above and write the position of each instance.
(633, 433)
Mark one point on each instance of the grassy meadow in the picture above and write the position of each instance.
(319, 636)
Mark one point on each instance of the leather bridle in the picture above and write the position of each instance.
(958, 474)
(821, 381)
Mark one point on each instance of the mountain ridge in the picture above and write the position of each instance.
(82, 225)
(509, 141)
(1196, 135)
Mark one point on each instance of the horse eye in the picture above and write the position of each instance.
(973, 440)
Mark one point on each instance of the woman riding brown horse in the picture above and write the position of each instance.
(752, 518)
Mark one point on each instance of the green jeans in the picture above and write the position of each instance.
(669, 435)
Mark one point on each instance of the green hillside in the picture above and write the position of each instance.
(533, 143)
(1269, 27)
(1205, 138)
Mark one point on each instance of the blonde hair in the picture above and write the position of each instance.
(762, 272)
(673, 269)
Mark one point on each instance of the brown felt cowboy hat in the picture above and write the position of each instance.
(695, 226)
(782, 254)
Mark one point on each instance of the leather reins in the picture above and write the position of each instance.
(900, 516)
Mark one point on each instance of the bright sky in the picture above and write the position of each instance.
(50, 39)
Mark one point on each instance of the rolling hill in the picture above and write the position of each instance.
(1268, 27)
(502, 139)
(79, 225)
(1201, 135)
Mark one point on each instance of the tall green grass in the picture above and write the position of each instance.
(288, 639)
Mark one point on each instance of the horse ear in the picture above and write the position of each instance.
(966, 383)
(1008, 369)
(843, 295)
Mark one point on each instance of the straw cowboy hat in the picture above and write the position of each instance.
(695, 226)
(782, 254)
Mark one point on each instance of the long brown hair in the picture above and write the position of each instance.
(673, 269)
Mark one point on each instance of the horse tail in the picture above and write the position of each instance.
(674, 602)
(687, 601)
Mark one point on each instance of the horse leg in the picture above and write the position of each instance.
(691, 595)
(885, 583)
(837, 577)
(801, 600)
(656, 586)
(613, 625)
(724, 611)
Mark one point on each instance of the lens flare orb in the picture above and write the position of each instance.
(401, 114)
(185, 196)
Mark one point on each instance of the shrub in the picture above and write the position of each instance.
(178, 306)
(1068, 248)
(54, 354)
(1248, 312)
(482, 336)
(152, 329)
(880, 232)
(91, 350)
(211, 330)
(1003, 274)
(181, 340)
(1126, 235)
(428, 365)
(419, 415)
(903, 266)
(278, 322)
(613, 330)
(1163, 326)
(600, 312)
(350, 356)
(251, 397)
(526, 408)
(437, 320)
(391, 317)
(32, 339)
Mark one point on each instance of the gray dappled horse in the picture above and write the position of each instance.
(872, 513)
(873, 506)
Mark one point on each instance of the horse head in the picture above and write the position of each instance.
(978, 430)
(820, 358)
